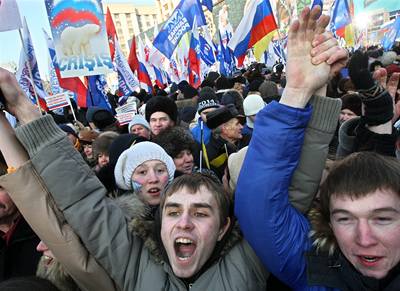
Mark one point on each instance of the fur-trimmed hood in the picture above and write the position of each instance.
(321, 233)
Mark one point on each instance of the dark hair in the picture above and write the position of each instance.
(27, 283)
(359, 175)
(3, 165)
(193, 183)
(174, 140)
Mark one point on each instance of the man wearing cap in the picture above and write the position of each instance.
(206, 103)
(161, 113)
(226, 125)
(139, 126)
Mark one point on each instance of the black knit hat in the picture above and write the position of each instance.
(352, 102)
(103, 118)
(189, 92)
(207, 99)
(221, 115)
(162, 104)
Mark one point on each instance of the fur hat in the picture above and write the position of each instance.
(138, 119)
(161, 104)
(251, 105)
(136, 155)
(174, 140)
(222, 115)
(87, 135)
(102, 143)
(352, 102)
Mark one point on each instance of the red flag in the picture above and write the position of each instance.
(133, 59)
(75, 85)
(111, 32)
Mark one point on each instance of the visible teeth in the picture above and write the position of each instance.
(183, 258)
(370, 259)
(183, 240)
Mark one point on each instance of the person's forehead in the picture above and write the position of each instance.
(378, 199)
(137, 126)
(187, 199)
(151, 163)
(159, 114)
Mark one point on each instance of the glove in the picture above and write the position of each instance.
(359, 73)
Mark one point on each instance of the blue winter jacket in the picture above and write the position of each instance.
(274, 228)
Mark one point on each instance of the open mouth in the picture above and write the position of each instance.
(154, 191)
(369, 261)
(184, 248)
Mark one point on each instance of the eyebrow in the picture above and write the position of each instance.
(383, 209)
(194, 205)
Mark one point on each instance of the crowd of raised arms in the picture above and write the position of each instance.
(273, 179)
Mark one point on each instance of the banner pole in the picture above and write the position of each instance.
(30, 73)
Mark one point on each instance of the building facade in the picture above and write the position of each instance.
(130, 19)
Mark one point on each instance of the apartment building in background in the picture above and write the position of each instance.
(130, 19)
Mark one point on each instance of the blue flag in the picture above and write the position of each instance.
(180, 22)
(206, 51)
(225, 57)
(390, 36)
(96, 93)
(208, 4)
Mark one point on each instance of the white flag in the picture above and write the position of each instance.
(9, 15)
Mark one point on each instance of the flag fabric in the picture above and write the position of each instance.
(225, 58)
(143, 70)
(391, 35)
(179, 23)
(9, 15)
(73, 84)
(111, 33)
(207, 48)
(54, 84)
(256, 29)
(208, 4)
(127, 81)
(97, 93)
(132, 58)
(317, 3)
(194, 58)
(341, 21)
(161, 79)
(28, 69)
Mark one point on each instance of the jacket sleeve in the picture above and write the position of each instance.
(319, 133)
(275, 229)
(30, 195)
(81, 197)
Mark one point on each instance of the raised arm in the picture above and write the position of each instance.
(276, 231)
(77, 192)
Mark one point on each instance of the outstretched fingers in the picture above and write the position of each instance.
(312, 23)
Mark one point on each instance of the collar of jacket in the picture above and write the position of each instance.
(334, 271)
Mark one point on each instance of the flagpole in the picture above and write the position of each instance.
(72, 109)
(30, 72)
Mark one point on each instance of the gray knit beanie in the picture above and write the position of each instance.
(136, 155)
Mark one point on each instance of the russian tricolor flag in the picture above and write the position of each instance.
(256, 29)
(341, 21)
(194, 58)
(144, 78)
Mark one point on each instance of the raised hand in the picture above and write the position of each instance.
(313, 56)
(15, 99)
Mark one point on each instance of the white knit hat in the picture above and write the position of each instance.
(136, 155)
(138, 119)
(251, 105)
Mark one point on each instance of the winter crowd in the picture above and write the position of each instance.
(282, 179)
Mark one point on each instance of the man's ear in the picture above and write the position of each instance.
(224, 229)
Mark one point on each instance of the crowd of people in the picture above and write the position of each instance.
(283, 178)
